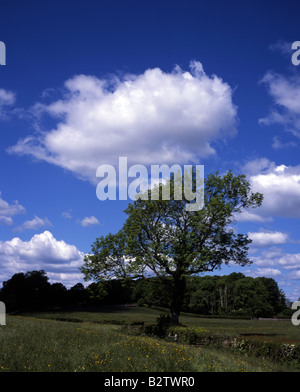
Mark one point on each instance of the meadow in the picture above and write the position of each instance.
(98, 342)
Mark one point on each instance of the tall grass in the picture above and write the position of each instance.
(29, 344)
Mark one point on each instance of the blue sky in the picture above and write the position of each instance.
(170, 82)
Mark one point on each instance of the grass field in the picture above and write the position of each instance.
(93, 341)
(283, 331)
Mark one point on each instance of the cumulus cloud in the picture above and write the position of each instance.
(34, 223)
(59, 259)
(154, 117)
(89, 221)
(280, 185)
(281, 189)
(264, 239)
(7, 211)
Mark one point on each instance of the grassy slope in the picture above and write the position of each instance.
(43, 344)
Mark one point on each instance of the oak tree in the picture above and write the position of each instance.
(163, 239)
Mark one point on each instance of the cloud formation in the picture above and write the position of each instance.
(66, 214)
(154, 117)
(285, 93)
(265, 272)
(7, 98)
(7, 211)
(59, 259)
(280, 185)
(282, 47)
(89, 221)
(265, 239)
(34, 223)
(274, 257)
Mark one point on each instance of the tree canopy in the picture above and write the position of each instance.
(165, 239)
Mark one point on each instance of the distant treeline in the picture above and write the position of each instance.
(32, 291)
(227, 295)
(231, 295)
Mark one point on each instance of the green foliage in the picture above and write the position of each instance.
(163, 237)
(192, 335)
(161, 327)
(277, 352)
(26, 290)
(152, 292)
(111, 292)
(232, 295)
(32, 291)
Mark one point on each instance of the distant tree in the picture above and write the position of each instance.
(58, 294)
(205, 299)
(251, 297)
(161, 236)
(275, 296)
(97, 294)
(12, 292)
(151, 292)
(30, 290)
(77, 295)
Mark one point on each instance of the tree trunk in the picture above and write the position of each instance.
(175, 317)
(221, 297)
(178, 291)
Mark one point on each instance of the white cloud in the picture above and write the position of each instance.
(266, 272)
(258, 165)
(268, 258)
(275, 257)
(280, 185)
(247, 216)
(295, 275)
(59, 259)
(7, 98)
(290, 261)
(264, 239)
(34, 223)
(66, 214)
(7, 211)
(89, 221)
(285, 93)
(6, 220)
(281, 189)
(279, 145)
(283, 47)
(154, 117)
